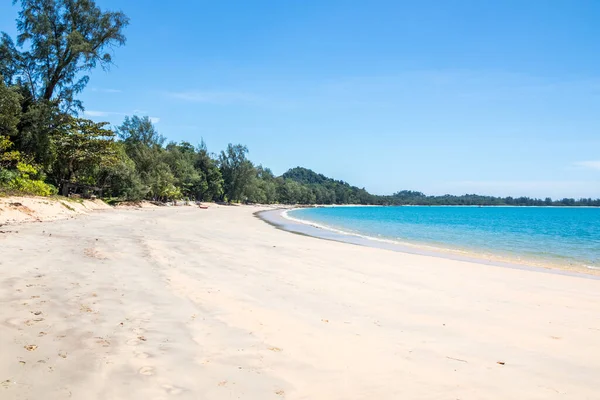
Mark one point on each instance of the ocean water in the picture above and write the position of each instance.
(535, 235)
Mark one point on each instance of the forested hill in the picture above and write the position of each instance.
(331, 191)
(327, 190)
(308, 176)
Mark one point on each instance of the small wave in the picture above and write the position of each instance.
(422, 247)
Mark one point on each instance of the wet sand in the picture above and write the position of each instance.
(216, 304)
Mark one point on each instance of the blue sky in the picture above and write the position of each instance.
(454, 96)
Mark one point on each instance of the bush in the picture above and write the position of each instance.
(19, 182)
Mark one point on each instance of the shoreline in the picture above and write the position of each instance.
(280, 219)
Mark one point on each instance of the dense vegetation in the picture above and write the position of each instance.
(46, 148)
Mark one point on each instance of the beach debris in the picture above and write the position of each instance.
(456, 359)
(280, 393)
(275, 349)
(500, 362)
(142, 338)
(325, 320)
(36, 312)
(222, 383)
(84, 308)
(62, 355)
(30, 347)
(22, 362)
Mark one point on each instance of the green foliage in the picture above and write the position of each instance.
(139, 131)
(120, 178)
(237, 172)
(323, 190)
(10, 110)
(211, 185)
(63, 39)
(82, 145)
(19, 177)
(39, 121)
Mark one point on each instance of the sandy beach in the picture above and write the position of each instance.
(184, 303)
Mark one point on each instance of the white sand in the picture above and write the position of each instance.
(17, 209)
(215, 304)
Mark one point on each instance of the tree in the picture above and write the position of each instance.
(237, 171)
(211, 187)
(10, 110)
(263, 187)
(63, 39)
(39, 123)
(143, 144)
(181, 159)
(17, 175)
(139, 130)
(120, 177)
(289, 191)
(82, 145)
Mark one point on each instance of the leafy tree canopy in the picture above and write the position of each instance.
(58, 42)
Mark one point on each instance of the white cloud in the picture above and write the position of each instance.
(214, 97)
(154, 120)
(107, 90)
(589, 164)
(90, 113)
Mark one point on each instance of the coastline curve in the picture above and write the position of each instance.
(279, 218)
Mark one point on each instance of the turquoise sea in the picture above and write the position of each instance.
(536, 235)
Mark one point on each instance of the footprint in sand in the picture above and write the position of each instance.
(138, 331)
(146, 371)
(142, 355)
(170, 389)
(133, 342)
